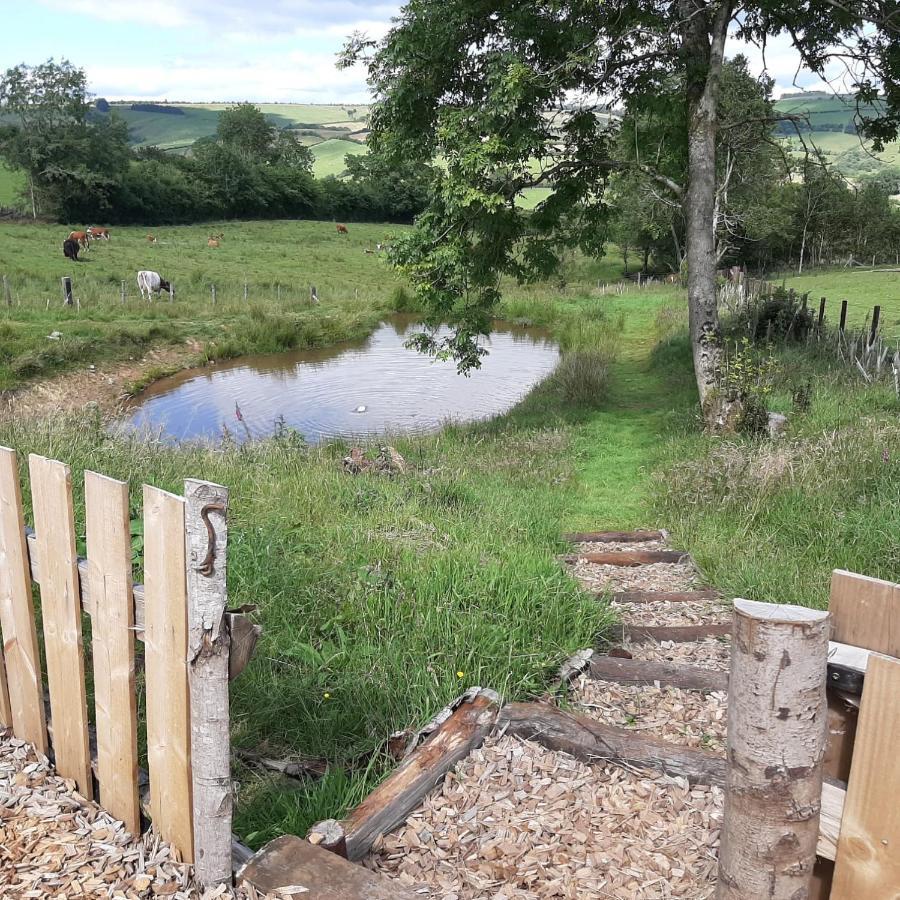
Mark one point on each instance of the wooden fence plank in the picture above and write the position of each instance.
(23, 663)
(865, 612)
(112, 642)
(165, 665)
(208, 650)
(868, 862)
(51, 492)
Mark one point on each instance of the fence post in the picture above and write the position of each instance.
(843, 324)
(122, 293)
(206, 541)
(171, 292)
(67, 290)
(775, 748)
(876, 316)
(278, 292)
(213, 290)
(245, 292)
(7, 295)
(821, 313)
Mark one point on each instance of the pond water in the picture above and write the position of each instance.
(361, 388)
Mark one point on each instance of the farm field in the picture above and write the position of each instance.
(330, 156)
(383, 598)
(863, 288)
(11, 184)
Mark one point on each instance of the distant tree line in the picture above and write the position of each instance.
(81, 168)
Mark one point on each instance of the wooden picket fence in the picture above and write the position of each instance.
(863, 734)
(180, 615)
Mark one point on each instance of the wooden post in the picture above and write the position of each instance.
(821, 313)
(278, 292)
(171, 292)
(7, 294)
(54, 523)
(206, 541)
(112, 635)
(876, 316)
(165, 651)
(843, 324)
(867, 863)
(213, 291)
(245, 292)
(122, 293)
(23, 663)
(776, 745)
(67, 290)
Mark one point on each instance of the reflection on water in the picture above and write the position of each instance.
(359, 388)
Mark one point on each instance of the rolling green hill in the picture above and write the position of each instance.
(330, 156)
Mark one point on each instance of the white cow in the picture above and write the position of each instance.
(151, 282)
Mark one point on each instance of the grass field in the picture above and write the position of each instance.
(862, 288)
(330, 156)
(381, 599)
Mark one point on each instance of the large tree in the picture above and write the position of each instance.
(491, 86)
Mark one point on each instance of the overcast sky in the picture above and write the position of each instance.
(258, 50)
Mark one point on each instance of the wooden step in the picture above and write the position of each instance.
(610, 537)
(289, 861)
(678, 633)
(702, 596)
(633, 557)
(649, 672)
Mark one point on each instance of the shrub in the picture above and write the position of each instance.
(581, 377)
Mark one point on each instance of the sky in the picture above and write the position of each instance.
(229, 50)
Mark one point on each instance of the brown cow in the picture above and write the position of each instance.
(151, 239)
(98, 234)
(81, 237)
(212, 242)
(342, 229)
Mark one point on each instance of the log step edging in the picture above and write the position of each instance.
(631, 558)
(613, 537)
(699, 596)
(650, 672)
(637, 634)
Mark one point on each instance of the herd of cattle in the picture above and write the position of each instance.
(148, 282)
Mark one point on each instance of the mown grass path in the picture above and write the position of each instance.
(620, 446)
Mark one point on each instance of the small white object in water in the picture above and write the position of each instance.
(360, 409)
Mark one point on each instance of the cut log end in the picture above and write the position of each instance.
(777, 612)
(329, 835)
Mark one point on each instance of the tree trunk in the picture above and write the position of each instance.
(704, 46)
(776, 746)
(33, 204)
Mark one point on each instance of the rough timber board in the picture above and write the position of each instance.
(291, 861)
(868, 857)
(865, 612)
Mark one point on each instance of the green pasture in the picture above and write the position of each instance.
(329, 156)
(862, 288)
(12, 183)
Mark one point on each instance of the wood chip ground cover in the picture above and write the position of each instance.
(516, 821)
(56, 844)
(651, 577)
(689, 718)
(708, 653)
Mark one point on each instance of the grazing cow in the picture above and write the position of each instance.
(212, 242)
(81, 237)
(151, 283)
(151, 239)
(342, 229)
(674, 278)
(98, 234)
(70, 249)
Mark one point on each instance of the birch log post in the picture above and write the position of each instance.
(776, 746)
(206, 538)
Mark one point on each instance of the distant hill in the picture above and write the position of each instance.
(831, 127)
(340, 129)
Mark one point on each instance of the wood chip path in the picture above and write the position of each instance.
(55, 844)
(516, 821)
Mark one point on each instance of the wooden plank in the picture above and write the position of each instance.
(608, 537)
(20, 645)
(677, 633)
(865, 612)
(244, 633)
(5, 709)
(112, 640)
(820, 883)
(289, 860)
(51, 493)
(662, 596)
(633, 557)
(868, 861)
(206, 541)
(841, 735)
(639, 671)
(592, 741)
(398, 795)
(165, 650)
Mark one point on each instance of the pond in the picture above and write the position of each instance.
(353, 389)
